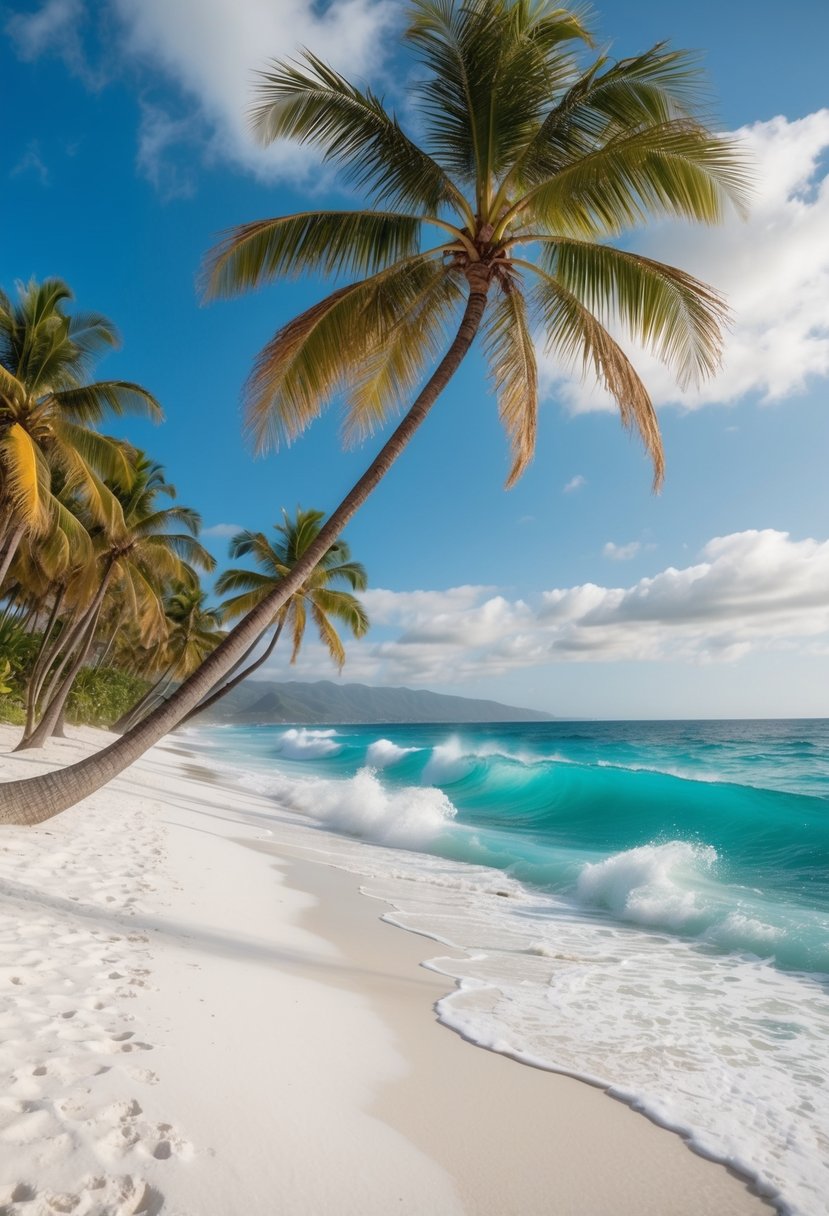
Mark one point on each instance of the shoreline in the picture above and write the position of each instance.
(269, 975)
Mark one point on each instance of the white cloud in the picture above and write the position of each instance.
(575, 483)
(32, 162)
(211, 50)
(55, 29)
(621, 553)
(750, 592)
(157, 134)
(773, 268)
(222, 530)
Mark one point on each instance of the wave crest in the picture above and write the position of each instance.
(650, 885)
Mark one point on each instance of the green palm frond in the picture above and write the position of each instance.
(575, 336)
(328, 636)
(90, 403)
(328, 242)
(240, 605)
(110, 458)
(160, 521)
(353, 573)
(512, 362)
(81, 479)
(663, 308)
(476, 53)
(298, 617)
(182, 546)
(417, 338)
(647, 90)
(345, 607)
(310, 102)
(677, 169)
(322, 349)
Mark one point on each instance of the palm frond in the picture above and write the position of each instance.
(416, 339)
(573, 334)
(328, 636)
(310, 102)
(298, 617)
(110, 458)
(345, 607)
(26, 478)
(323, 350)
(328, 242)
(677, 169)
(90, 403)
(243, 580)
(511, 354)
(662, 307)
(643, 91)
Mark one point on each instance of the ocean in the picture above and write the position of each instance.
(644, 905)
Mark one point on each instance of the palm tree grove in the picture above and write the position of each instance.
(495, 220)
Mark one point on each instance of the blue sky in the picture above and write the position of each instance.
(579, 591)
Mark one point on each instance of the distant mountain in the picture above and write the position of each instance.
(267, 701)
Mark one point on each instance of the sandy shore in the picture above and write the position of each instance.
(200, 1017)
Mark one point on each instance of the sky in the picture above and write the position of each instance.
(579, 591)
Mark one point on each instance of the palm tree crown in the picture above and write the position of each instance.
(318, 594)
(529, 163)
(49, 411)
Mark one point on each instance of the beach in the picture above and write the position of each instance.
(201, 1015)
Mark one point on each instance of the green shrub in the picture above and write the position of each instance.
(100, 695)
(11, 711)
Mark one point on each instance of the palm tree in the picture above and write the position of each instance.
(49, 410)
(317, 595)
(140, 553)
(193, 632)
(500, 217)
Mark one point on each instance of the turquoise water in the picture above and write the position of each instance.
(662, 923)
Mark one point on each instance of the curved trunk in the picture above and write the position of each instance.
(243, 675)
(39, 798)
(126, 720)
(11, 548)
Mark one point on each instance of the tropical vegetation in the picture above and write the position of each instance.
(499, 221)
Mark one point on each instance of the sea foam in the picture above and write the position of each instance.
(382, 753)
(651, 885)
(300, 743)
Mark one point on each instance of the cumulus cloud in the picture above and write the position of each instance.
(773, 268)
(575, 483)
(621, 553)
(748, 592)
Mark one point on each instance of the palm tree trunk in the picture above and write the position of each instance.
(39, 798)
(126, 720)
(11, 548)
(74, 636)
(41, 664)
(54, 709)
(243, 675)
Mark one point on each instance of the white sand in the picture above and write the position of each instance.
(200, 1019)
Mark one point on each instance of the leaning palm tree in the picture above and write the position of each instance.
(318, 595)
(49, 410)
(501, 217)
